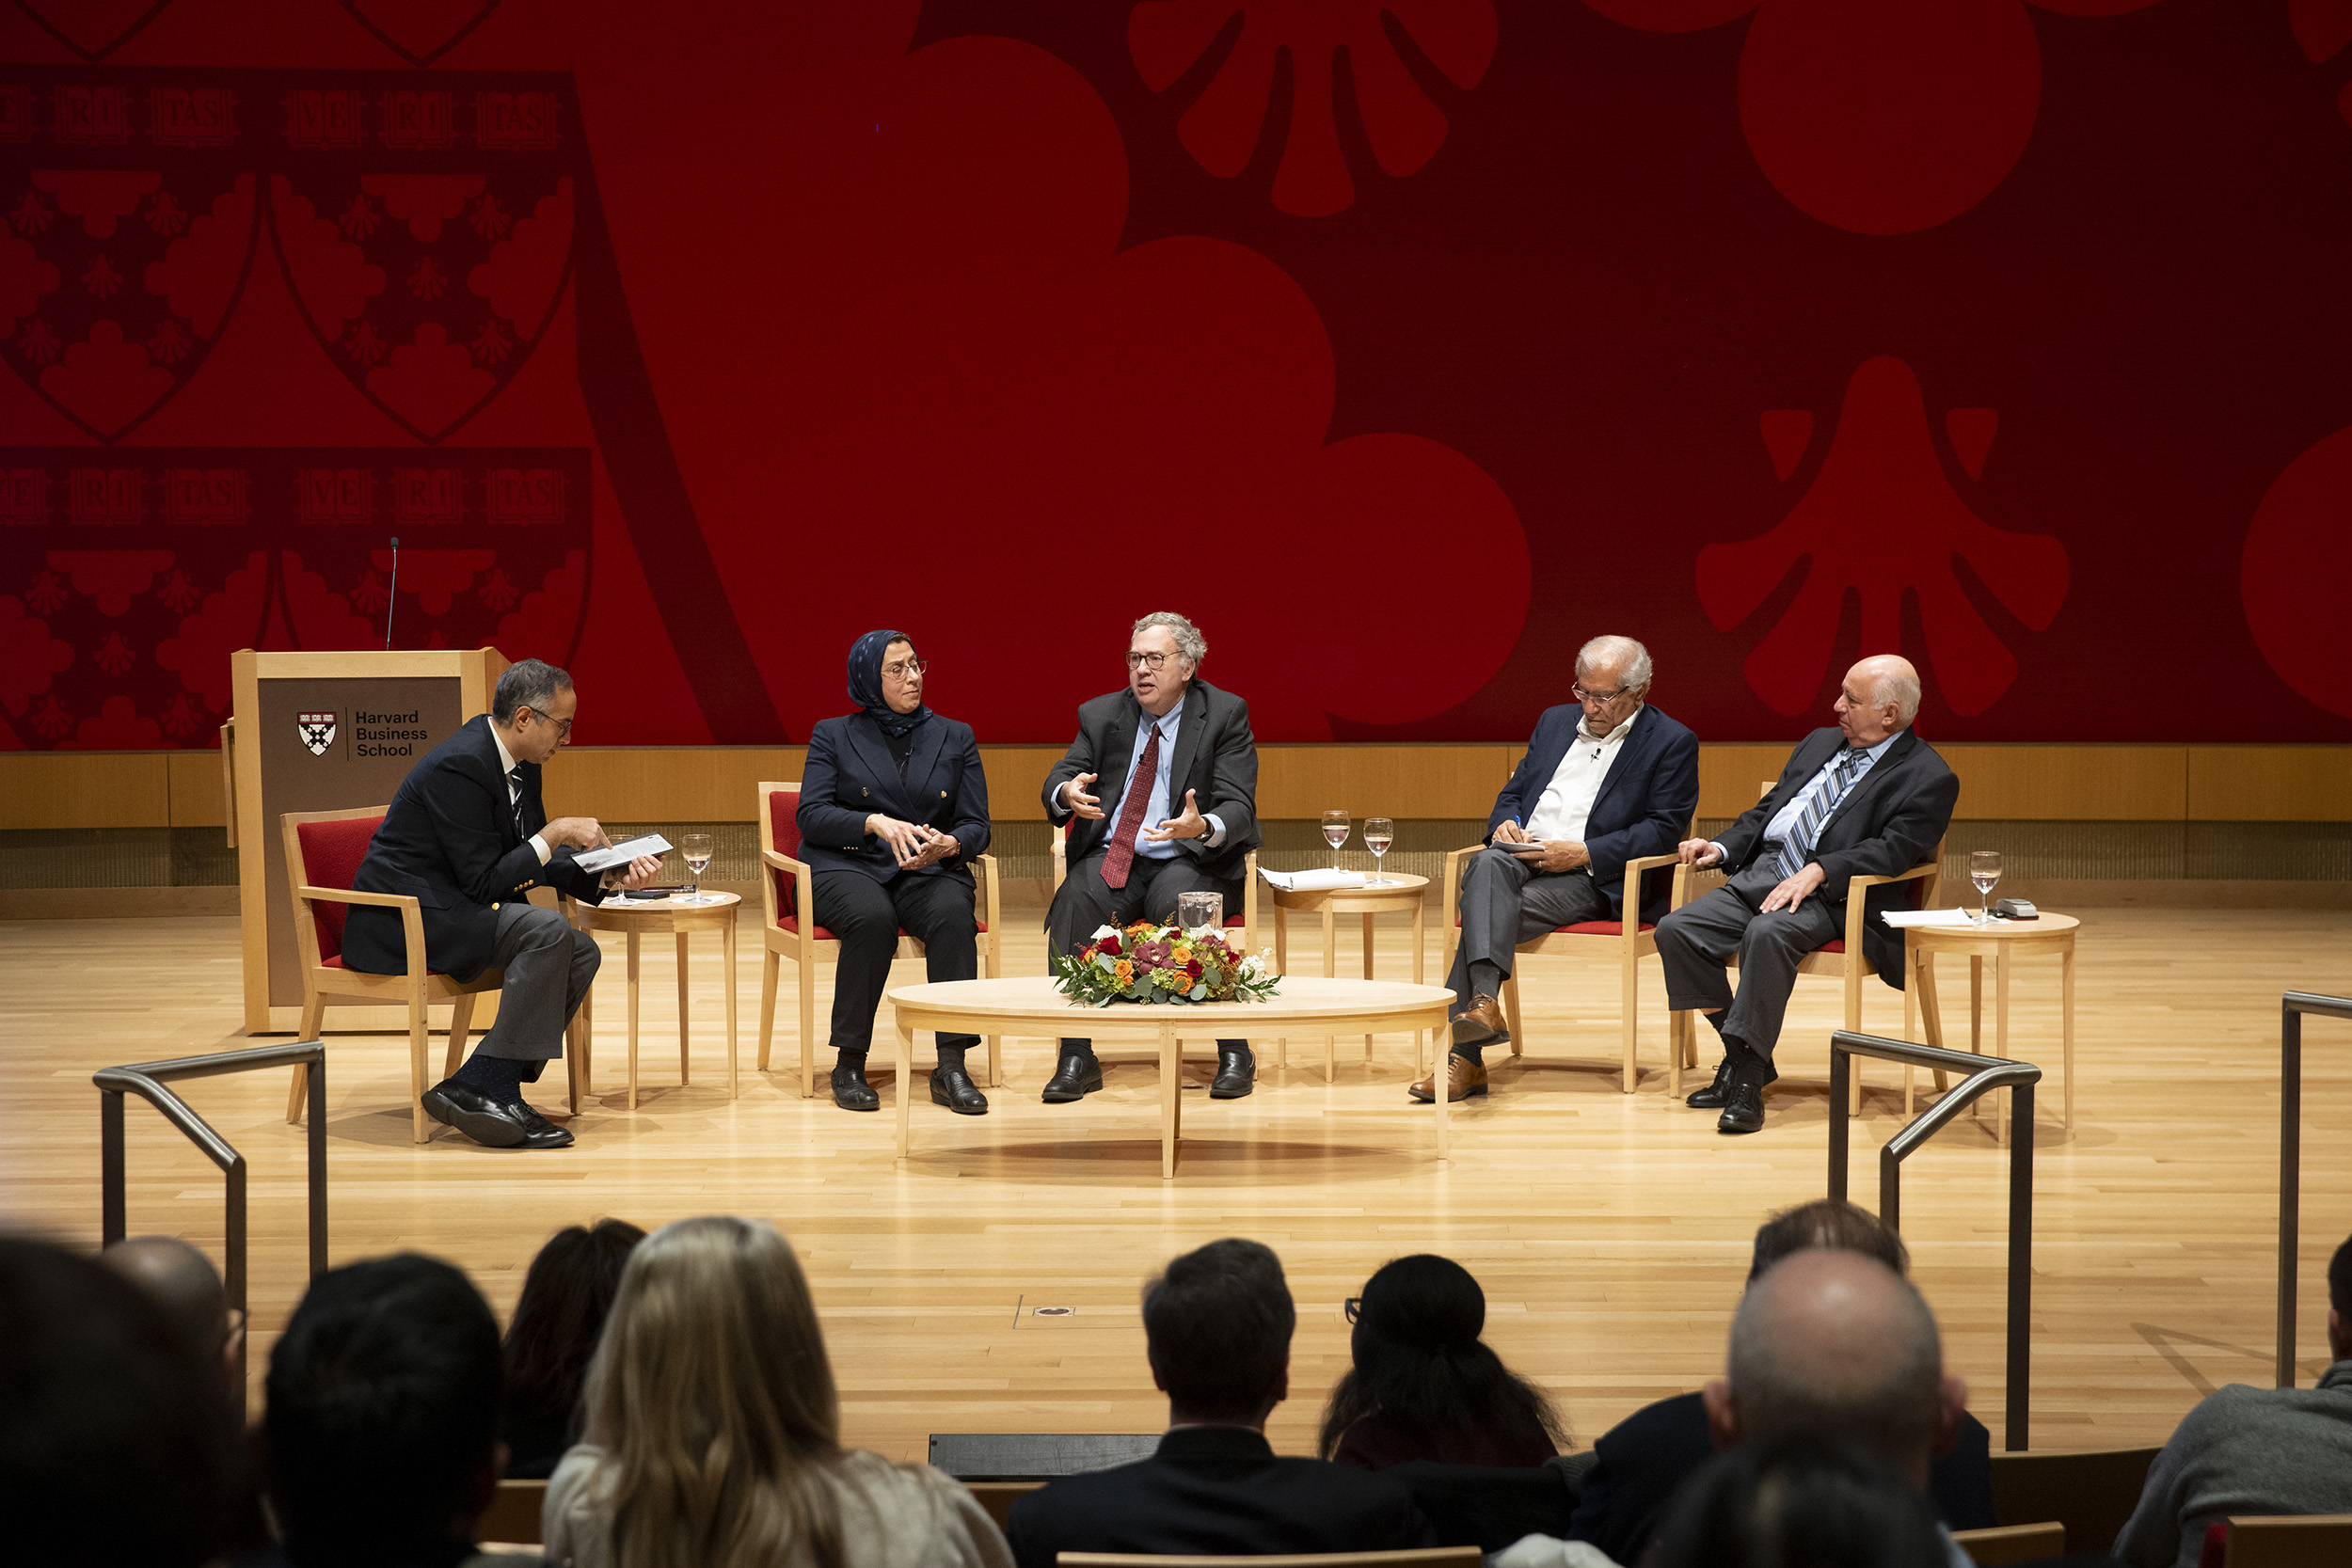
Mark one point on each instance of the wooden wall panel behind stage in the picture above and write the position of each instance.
(657, 783)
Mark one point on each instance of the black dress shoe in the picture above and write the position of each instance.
(1718, 1094)
(539, 1133)
(476, 1115)
(850, 1091)
(1236, 1075)
(1074, 1079)
(953, 1087)
(1745, 1112)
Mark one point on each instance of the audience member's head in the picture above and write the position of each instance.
(2340, 1303)
(1798, 1498)
(566, 1299)
(383, 1421)
(1418, 1358)
(711, 1382)
(1827, 1222)
(114, 1447)
(179, 1278)
(1836, 1342)
(1217, 1326)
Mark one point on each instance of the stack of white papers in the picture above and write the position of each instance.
(1927, 917)
(621, 854)
(1312, 881)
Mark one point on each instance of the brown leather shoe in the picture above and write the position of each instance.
(1463, 1078)
(1481, 1023)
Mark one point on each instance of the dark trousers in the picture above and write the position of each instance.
(548, 964)
(1505, 901)
(1694, 941)
(868, 916)
(1085, 902)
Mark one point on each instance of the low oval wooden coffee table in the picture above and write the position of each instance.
(1029, 1005)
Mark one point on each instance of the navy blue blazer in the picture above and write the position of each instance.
(851, 774)
(1644, 807)
(450, 842)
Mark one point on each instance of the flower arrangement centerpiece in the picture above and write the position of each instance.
(1162, 963)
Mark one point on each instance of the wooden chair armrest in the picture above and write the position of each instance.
(1860, 881)
(1451, 897)
(346, 896)
(782, 861)
(991, 881)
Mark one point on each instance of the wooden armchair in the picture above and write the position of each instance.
(790, 930)
(1629, 942)
(2279, 1541)
(1845, 958)
(323, 850)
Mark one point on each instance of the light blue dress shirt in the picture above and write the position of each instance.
(1157, 807)
(1785, 820)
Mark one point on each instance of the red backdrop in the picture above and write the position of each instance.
(1402, 345)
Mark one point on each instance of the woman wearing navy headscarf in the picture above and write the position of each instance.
(894, 810)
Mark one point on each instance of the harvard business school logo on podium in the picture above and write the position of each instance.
(317, 731)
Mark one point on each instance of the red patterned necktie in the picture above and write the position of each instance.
(1121, 855)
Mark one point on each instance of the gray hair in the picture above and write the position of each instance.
(1615, 652)
(531, 684)
(1189, 642)
(1834, 1341)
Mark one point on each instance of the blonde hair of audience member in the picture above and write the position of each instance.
(713, 1399)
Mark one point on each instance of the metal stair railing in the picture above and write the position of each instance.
(1981, 1076)
(146, 1081)
(2292, 1007)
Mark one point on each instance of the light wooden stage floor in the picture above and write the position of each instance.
(1611, 1231)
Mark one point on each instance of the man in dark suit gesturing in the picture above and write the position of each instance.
(1167, 741)
(1865, 797)
(468, 838)
(1605, 779)
(1217, 1326)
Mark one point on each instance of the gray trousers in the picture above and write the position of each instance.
(1085, 903)
(549, 966)
(1505, 901)
(1695, 940)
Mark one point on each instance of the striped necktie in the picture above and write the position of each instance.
(514, 801)
(1799, 848)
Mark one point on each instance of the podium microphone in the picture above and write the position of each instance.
(394, 597)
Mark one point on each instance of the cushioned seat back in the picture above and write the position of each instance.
(331, 853)
(784, 830)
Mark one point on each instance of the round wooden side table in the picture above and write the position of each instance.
(1399, 889)
(638, 918)
(2001, 941)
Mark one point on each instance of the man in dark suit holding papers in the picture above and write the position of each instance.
(1160, 790)
(1866, 796)
(467, 839)
(1605, 779)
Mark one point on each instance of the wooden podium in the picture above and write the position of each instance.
(327, 732)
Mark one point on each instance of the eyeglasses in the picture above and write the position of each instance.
(1149, 661)
(1352, 1308)
(906, 667)
(1585, 696)
(563, 726)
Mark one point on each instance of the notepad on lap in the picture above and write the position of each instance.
(621, 853)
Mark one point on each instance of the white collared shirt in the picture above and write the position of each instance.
(1567, 800)
(506, 768)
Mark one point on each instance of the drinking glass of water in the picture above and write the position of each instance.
(1380, 833)
(1335, 829)
(696, 848)
(1984, 869)
(1196, 911)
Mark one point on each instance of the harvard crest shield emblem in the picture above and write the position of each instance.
(317, 731)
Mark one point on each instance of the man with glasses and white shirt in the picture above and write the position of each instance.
(1866, 796)
(1160, 790)
(1607, 778)
(467, 839)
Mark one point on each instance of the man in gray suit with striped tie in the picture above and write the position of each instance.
(1866, 796)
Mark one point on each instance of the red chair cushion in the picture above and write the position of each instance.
(1838, 946)
(783, 821)
(1232, 922)
(1598, 928)
(792, 923)
(331, 853)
